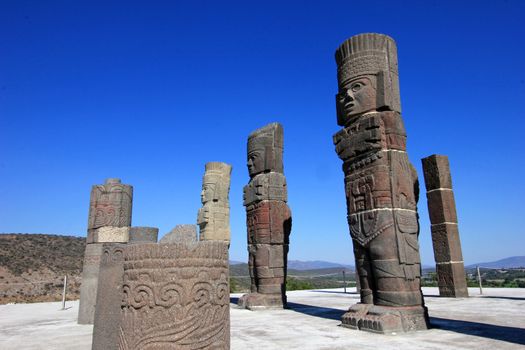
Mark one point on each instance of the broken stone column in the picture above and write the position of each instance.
(268, 219)
(214, 216)
(109, 292)
(452, 281)
(109, 221)
(176, 296)
(381, 188)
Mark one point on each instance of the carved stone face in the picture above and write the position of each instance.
(358, 96)
(256, 160)
(208, 190)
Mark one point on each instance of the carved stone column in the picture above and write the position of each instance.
(109, 221)
(268, 219)
(109, 292)
(214, 216)
(452, 281)
(381, 188)
(176, 296)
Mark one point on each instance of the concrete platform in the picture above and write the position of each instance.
(495, 320)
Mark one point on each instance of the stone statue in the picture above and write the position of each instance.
(381, 187)
(109, 220)
(268, 219)
(214, 216)
(176, 296)
(110, 206)
(452, 281)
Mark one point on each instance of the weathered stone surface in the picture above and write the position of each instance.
(176, 296)
(110, 205)
(381, 187)
(141, 234)
(109, 297)
(444, 227)
(88, 288)
(110, 234)
(214, 216)
(181, 234)
(446, 243)
(441, 206)
(268, 220)
(436, 170)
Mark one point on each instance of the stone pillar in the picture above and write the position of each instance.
(450, 269)
(176, 296)
(109, 292)
(109, 221)
(181, 234)
(214, 216)
(268, 219)
(381, 188)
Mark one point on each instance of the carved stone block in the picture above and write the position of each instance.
(141, 234)
(268, 222)
(442, 206)
(109, 234)
(176, 296)
(385, 320)
(214, 216)
(109, 297)
(88, 288)
(110, 205)
(268, 186)
(436, 170)
(181, 234)
(452, 281)
(446, 243)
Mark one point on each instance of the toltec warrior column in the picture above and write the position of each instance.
(214, 216)
(381, 187)
(268, 219)
(109, 221)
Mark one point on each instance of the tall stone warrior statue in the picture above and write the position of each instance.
(268, 219)
(214, 216)
(381, 187)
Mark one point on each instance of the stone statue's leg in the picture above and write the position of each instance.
(252, 251)
(397, 283)
(362, 265)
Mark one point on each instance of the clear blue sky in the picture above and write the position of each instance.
(151, 91)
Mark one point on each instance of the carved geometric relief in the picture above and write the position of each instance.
(176, 296)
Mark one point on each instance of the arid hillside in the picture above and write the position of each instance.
(33, 266)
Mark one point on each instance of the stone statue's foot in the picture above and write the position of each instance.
(386, 319)
(257, 301)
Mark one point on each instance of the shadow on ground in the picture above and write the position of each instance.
(317, 311)
(491, 331)
(333, 292)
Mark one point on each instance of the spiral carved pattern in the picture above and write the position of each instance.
(174, 301)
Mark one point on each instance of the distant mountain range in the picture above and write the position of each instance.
(307, 265)
(507, 263)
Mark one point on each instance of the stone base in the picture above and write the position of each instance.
(385, 319)
(256, 301)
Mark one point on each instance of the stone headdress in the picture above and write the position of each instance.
(269, 139)
(218, 174)
(371, 54)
